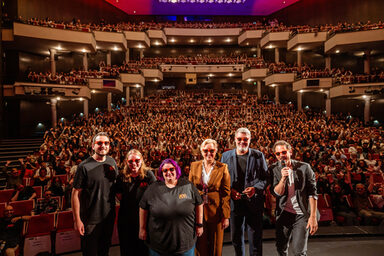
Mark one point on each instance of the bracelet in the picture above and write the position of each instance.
(199, 225)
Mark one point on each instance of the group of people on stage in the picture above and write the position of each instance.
(175, 215)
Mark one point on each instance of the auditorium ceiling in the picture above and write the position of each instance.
(201, 7)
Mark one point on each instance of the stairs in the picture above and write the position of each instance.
(13, 149)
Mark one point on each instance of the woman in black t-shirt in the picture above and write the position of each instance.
(171, 213)
(131, 184)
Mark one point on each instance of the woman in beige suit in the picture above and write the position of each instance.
(212, 180)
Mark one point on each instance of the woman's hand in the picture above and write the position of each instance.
(143, 234)
(224, 223)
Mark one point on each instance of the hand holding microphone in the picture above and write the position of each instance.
(286, 172)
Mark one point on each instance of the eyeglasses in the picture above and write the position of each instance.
(137, 161)
(100, 143)
(242, 139)
(172, 169)
(282, 152)
(209, 150)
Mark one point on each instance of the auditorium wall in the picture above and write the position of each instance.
(314, 12)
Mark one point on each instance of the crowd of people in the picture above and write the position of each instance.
(271, 25)
(345, 155)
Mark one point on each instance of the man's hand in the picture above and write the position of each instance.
(199, 231)
(79, 226)
(312, 225)
(143, 234)
(285, 172)
(249, 191)
(235, 195)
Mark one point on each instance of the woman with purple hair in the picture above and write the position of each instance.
(171, 213)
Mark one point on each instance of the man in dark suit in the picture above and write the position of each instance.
(294, 186)
(248, 171)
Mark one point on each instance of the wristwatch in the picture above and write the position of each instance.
(199, 225)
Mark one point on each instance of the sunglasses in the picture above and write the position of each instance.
(100, 143)
(282, 152)
(137, 161)
(209, 150)
(168, 170)
(242, 139)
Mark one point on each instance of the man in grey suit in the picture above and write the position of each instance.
(248, 170)
(294, 186)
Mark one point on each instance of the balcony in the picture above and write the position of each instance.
(280, 78)
(157, 37)
(107, 85)
(312, 84)
(110, 41)
(306, 41)
(275, 39)
(41, 39)
(43, 90)
(152, 74)
(250, 37)
(354, 90)
(355, 41)
(131, 79)
(137, 39)
(255, 74)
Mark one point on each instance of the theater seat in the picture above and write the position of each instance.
(38, 234)
(38, 190)
(6, 195)
(2, 208)
(326, 214)
(67, 239)
(23, 207)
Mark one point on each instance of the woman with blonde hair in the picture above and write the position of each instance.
(131, 183)
(212, 179)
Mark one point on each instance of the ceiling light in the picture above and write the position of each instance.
(83, 50)
(337, 51)
(191, 41)
(115, 48)
(270, 46)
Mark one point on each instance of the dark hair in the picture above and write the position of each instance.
(99, 134)
(281, 143)
(172, 162)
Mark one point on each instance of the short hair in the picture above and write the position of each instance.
(99, 134)
(208, 141)
(172, 162)
(243, 130)
(281, 143)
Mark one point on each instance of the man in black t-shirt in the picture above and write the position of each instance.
(11, 231)
(248, 170)
(93, 198)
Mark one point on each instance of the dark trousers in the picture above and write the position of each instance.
(254, 223)
(97, 238)
(291, 227)
(130, 244)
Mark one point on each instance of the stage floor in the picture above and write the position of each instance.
(328, 241)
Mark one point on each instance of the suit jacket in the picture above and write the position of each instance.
(305, 186)
(255, 176)
(218, 190)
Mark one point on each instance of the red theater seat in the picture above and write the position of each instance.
(2, 208)
(23, 207)
(6, 195)
(38, 234)
(67, 238)
(324, 208)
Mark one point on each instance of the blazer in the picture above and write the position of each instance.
(305, 186)
(256, 175)
(218, 190)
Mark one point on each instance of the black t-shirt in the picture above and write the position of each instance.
(25, 193)
(131, 194)
(239, 184)
(10, 232)
(171, 216)
(97, 197)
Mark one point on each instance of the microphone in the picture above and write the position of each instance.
(290, 178)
